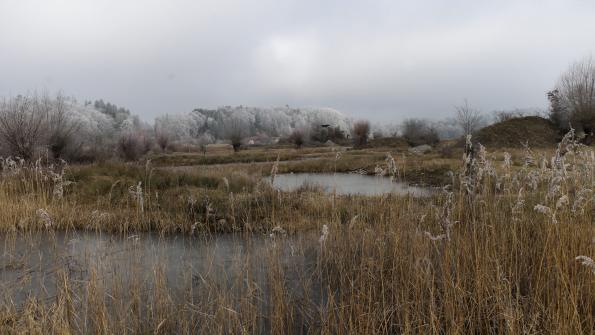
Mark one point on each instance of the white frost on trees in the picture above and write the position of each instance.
(272, 122)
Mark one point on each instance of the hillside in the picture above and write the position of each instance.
(535, 130)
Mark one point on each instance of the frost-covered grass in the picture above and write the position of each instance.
(506, 247)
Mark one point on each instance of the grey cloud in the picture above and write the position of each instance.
(383, 60)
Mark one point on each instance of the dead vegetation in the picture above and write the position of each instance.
(506, 247)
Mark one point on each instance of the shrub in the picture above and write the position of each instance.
(235, 132)
(162, 140)
(297, 137)
(361, 132)
(130, 146)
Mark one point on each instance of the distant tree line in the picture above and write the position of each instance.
(58, 127)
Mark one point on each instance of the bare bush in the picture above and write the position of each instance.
(162, 140)
(361, 132)
(298, 138)
(130, 146)
(236, 142)
(501, 116)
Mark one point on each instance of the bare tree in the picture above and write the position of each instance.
(22, 123)
(361, 132)
(468, 118)
(297, 137)
(573, 100)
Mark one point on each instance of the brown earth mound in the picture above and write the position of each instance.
(535, 130)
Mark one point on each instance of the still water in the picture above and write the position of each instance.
(347, 183)
(32, 265)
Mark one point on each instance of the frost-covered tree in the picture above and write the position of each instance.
(117, 114)
(62, 127)
(22, 125)
(96, 133)
(272, 122)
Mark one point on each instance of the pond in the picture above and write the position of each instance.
(33, 265)
(348, 183)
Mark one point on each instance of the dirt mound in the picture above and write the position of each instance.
(535, 130)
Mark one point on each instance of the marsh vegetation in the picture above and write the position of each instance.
(504, 246)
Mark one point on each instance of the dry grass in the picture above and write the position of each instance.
(495, 253)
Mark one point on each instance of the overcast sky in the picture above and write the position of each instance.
(382, 60)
